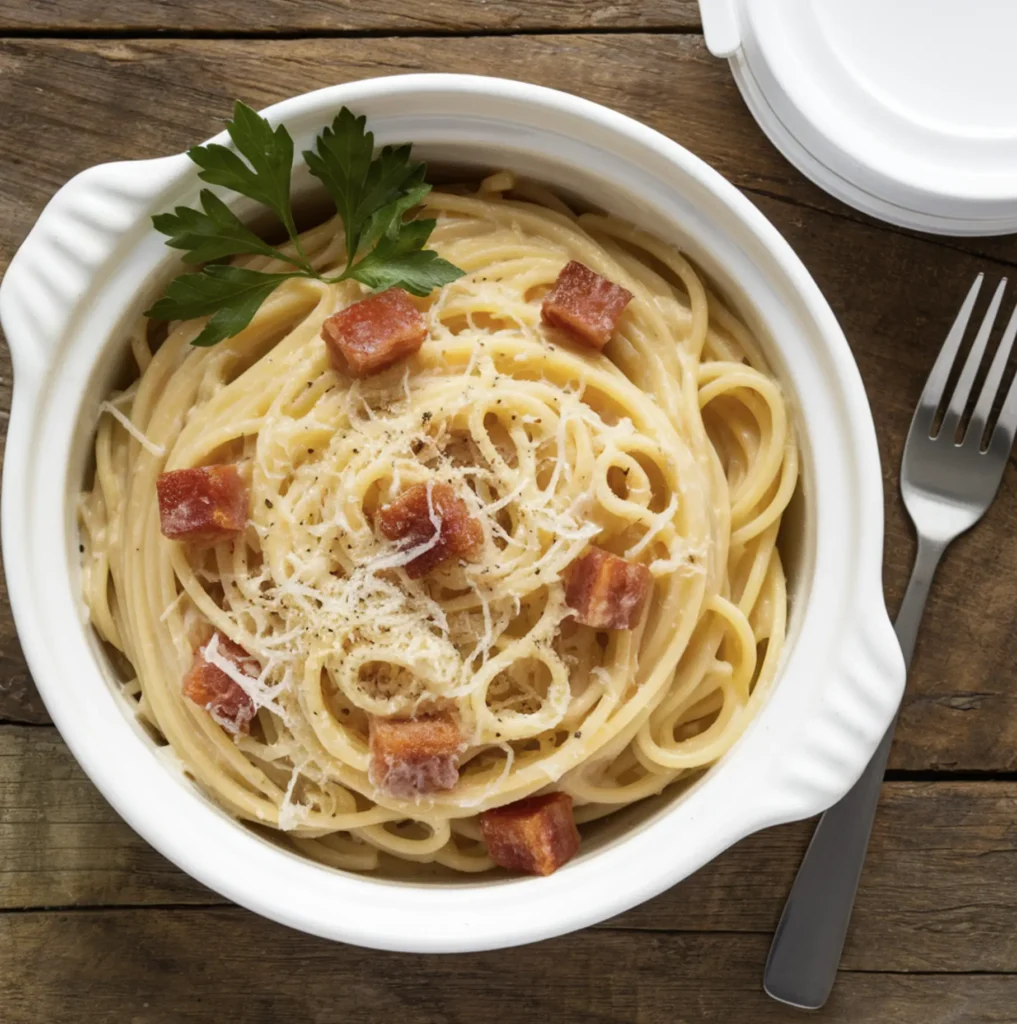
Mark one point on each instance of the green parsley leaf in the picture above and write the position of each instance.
(212, 235)
(266, 176)
(419, 272)
(341, 160)
(372, 194)
(230, 295)
(390, 176)
(359, 185)
(400, 260)
(388, 219)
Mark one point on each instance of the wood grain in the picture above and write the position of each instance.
(19, 699)
(238, 17)
(939, 891)
(65, 105)
(80, 102)
(219, 964)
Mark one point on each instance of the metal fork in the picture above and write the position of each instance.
(948, 480)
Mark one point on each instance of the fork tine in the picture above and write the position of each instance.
(1006, 425)
(932, 393)
(962, 390)
(980, 417)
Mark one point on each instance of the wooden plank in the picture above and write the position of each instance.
(221, 964)
(68, 104)
(19, 699)
(939, 891)
(95, 100)
(239, 17)
(61, 844)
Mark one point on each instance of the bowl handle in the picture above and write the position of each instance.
(94, 214)
(846, 729)
(720, 26)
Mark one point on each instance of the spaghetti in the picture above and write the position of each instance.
(673, 448)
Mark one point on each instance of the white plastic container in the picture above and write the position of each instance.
(93, 261)
(904, 109)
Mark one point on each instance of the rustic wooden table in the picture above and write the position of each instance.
(97, 927)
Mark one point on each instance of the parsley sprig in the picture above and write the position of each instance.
(372, 195)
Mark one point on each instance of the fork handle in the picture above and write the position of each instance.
(909, 617)
(806, 949)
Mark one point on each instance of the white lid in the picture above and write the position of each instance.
(907, 109)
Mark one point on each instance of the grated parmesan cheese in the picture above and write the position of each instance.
(153, 449)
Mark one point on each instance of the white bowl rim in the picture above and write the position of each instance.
(805, 748)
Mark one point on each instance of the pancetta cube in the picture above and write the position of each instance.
(374, 333)
(585, 305)
(536, 835)
(605, 591)
(207, 503)
(409, 520)
(414, 756)
(208, 686)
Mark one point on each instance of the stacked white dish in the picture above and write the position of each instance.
(904, 109)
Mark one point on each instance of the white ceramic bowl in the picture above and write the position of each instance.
(92, 262)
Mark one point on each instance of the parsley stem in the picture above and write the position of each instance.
(304, 263)
(300, 262)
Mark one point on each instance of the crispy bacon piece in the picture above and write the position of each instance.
(211, 688)
(585, 304)
(536, 835)
(408, 520)
(412, 756)
(207, 503)
(606, 591)
(374, 333)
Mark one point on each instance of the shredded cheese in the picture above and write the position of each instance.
(153, 449)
